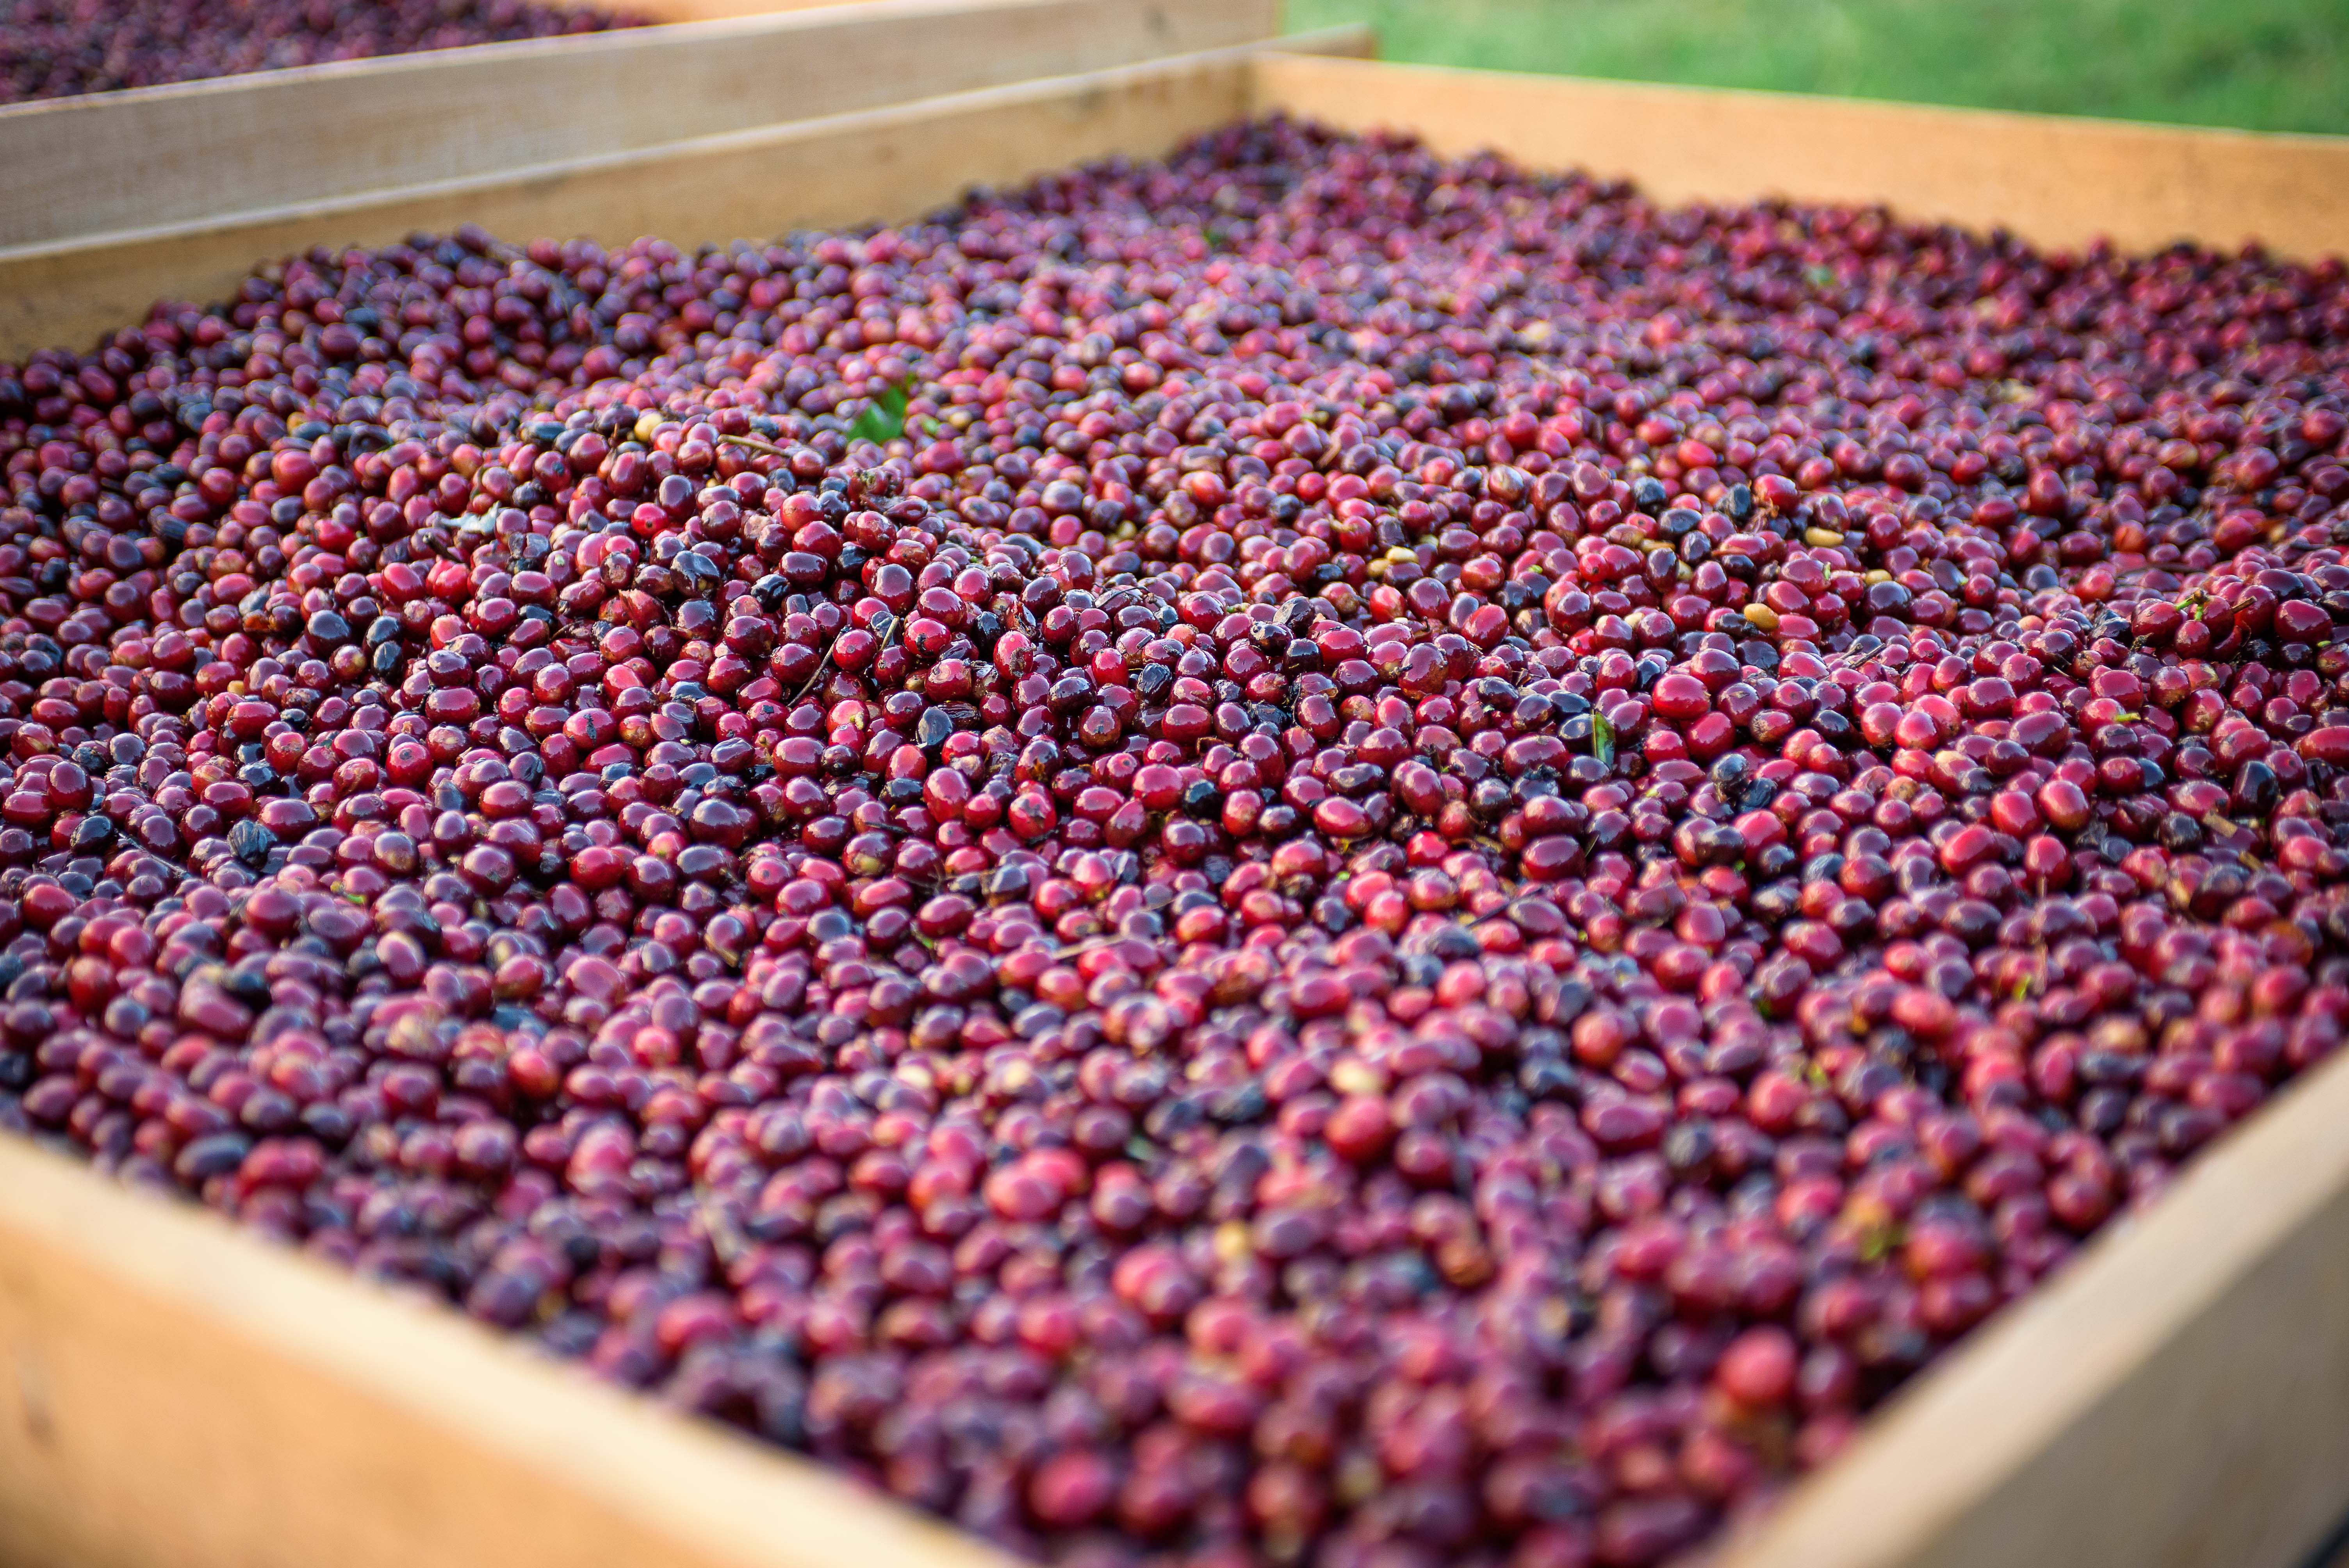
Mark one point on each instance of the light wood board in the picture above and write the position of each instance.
(881, 164)
(174, 1394)
(2177, 1399)
(711, 10)
(204, 151)
(2056, 182)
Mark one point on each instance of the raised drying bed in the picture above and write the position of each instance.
(76, 52)
(174, 1392)
(107, 167)
(842, 168)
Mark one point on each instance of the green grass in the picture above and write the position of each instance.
(2261, 65)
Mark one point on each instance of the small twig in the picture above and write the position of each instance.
(755, 444)
(895, 622)
(819, 663)
(1089, 945)
(725, 1240)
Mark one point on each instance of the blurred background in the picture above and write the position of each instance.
(2259, 64)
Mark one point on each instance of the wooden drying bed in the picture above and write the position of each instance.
(841, 169)
(103, 167)
(172, 1392)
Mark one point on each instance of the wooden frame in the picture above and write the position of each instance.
(2177, 1399)
(667, 11)
(2151, 185)
(2057, 181)
(174, 1392)
(842, 169)
(75, 169)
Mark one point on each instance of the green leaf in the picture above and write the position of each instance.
(1602, 737)
(883, 419)
(1876, 1246)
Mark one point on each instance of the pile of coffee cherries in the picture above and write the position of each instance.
(1303, 856)
(57, 48)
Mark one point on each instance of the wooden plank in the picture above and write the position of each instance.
(2057, 182)
(2178, 1399)
(175, 1391)
(200, 151)
(716, 10)
(669, 11)
(887, 163)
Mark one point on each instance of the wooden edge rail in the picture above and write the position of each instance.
(707, 10)
(668, 12)
(2055, 181)
(885, 163)
(2178, 1398)
(174, 1392)
(204, 151)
